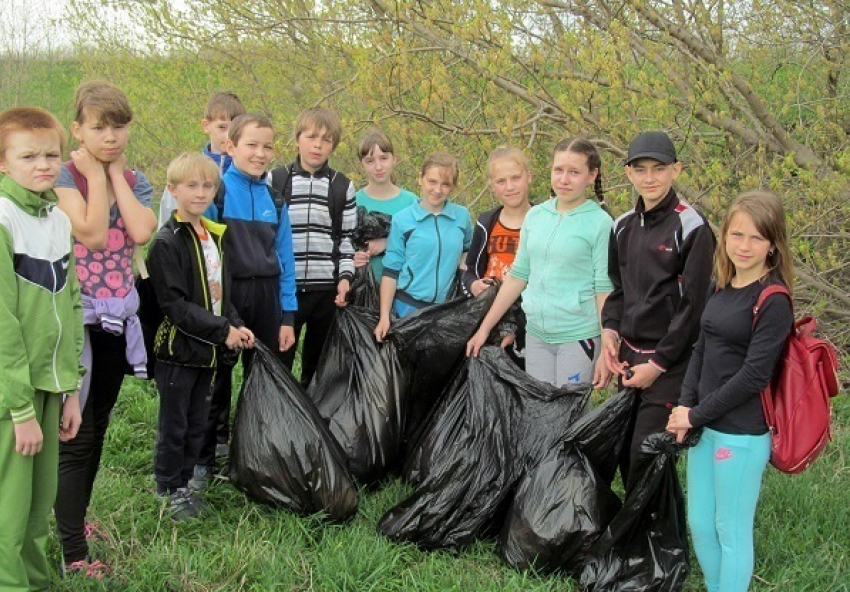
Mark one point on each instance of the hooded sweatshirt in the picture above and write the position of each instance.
(564, 260)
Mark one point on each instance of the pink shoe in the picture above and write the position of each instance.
(94, 532)
(91, 569)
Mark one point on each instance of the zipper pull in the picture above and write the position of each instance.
(641, 220)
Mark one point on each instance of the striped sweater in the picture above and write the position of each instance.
(321, 258)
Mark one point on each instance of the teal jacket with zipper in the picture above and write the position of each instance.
(564, 260)
(424, 251)
(41, 319)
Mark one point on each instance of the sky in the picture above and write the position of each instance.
(33, 25)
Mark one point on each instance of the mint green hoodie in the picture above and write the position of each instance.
(41, 320)
(564, 260)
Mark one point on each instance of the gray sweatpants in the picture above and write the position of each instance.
(562, 363)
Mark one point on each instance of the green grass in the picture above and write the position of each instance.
(802, 532)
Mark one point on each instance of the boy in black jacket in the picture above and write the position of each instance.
(660, 259)
(188, 275)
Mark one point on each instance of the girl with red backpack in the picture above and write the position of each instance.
(733, 361)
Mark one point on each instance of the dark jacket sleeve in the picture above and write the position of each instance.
(690, 385)
(698, 255)
(768, 340)
(476, 258)
(612, 310)
(171, 277)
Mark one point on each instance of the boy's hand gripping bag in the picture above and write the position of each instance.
(282, 453)
(359, 388)
(645, 547)
(493, 422)
(564, 502)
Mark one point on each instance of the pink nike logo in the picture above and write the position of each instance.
(722, 454)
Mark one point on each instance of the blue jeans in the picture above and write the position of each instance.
(724, 480)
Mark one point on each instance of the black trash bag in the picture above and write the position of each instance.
(494, 423)
(370, 225)
(359, 388)
(645, 548)
(433, 340)
(364, 290)
(282, 453)
(565, 502)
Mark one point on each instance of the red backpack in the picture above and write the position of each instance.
(796, 402)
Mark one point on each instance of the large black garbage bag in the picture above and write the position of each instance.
(433, 341)
(494, 423)
(360, 387)
(282, 453)
(645, 548)
(364, 290)
(564, 502)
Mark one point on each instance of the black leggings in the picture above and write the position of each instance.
(79, 459)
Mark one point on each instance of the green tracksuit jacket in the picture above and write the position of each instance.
(40, 313)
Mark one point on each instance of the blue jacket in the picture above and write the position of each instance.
(258, 244)
(424, 250)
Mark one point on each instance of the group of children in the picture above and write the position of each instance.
(245, 253)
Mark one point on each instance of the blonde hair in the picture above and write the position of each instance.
(29, 119)
(444, 160)
(511, 153)
(224, 105)
(319, 118)
(768, 216)
(101, 101)
(374, 137)
(192, 165)
(238, 125)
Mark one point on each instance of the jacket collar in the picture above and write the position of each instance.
(551, 206)
(234, 173)
(324, 170)
(421, 213)
(216, 228)
(222, 160)
(666, 206)
(34, 204)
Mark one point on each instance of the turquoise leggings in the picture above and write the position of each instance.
(724, 479)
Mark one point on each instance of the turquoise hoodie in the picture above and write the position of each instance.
(564, 260)
(41, 317)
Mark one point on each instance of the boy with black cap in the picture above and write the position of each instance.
(660, 262)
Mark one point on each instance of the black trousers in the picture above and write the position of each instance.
(79, 459)
(257, 301)
(653, 409)
(316, 311)
(185, 395)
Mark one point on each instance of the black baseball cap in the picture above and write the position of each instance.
(655, 145)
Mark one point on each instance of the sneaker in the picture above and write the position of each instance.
(185, 504)
(90, 569)
(200, 478)
(222, 451)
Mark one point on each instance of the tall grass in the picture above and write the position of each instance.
(802, 532)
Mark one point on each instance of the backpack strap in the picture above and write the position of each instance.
(82, 183)
(218, 200)
(767, 293)
(278, 188)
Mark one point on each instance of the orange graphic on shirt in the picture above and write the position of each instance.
(501, 248)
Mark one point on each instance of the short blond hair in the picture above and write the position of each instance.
(29, 119)
(444, 160)
(319, 118)
(192, 165)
